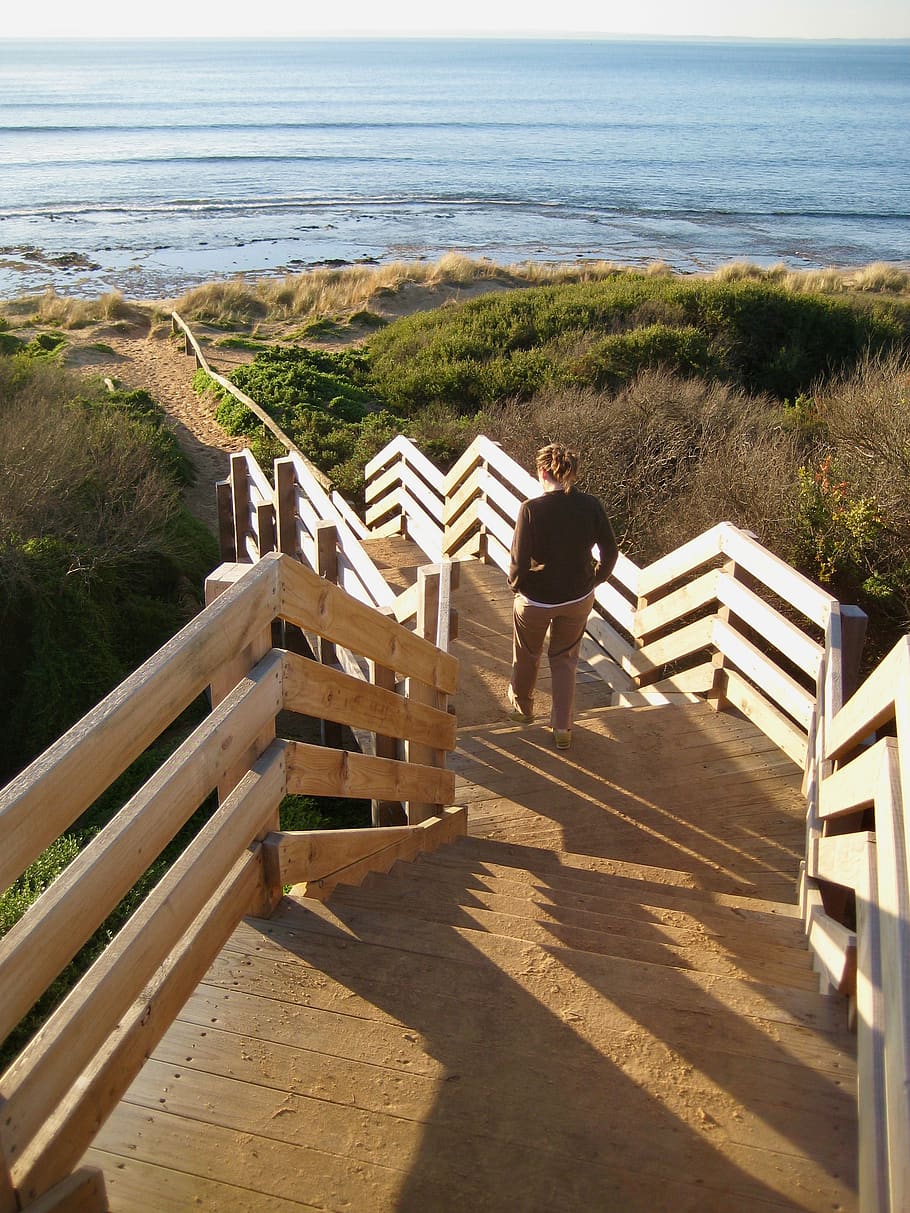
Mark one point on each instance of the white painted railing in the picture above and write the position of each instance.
(725, 619)
(861, 853)
(721, 616)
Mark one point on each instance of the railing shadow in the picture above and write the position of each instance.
(669, 788)
(606, 1105)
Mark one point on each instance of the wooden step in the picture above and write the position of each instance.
(610, 895)
(689, 987)
(338, 1156)
(609, 936)
(586, 873)
(333, 972)
(410, 1095)
(392, 1078)
(454, 1018)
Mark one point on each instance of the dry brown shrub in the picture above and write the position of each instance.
(867, 422)
(669, 457)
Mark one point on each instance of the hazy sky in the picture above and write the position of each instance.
(301, 18)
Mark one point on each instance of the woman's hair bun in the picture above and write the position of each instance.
(559, 462)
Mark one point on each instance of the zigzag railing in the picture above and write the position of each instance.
(861, 852)
(720, 617)
(64, 1083)
(724, 618)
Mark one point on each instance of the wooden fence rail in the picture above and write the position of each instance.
(68, 1078)
(863, 845)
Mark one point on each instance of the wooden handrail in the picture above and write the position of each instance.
(81, 1060)
(178, 323)
(643, 617)
(860, 771)
(69, 776)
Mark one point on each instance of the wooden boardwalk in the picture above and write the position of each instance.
(599, 1000)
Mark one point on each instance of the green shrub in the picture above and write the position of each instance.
(46, 345)
(755, 334)
(619, 357)
(99, 564)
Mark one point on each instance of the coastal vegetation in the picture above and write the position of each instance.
(100, 565)
(99, 562)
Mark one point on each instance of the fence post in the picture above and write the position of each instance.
(286, 507)
(227, 541)
(327, 567)
(717, 697)
(431, 597)
(292, 637)
(231, 672)
(240, 496)
(223, 682)
(853, 637)
(386, 812)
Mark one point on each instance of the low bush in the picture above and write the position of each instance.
(99, 564)
(856, 491)
(670, 456)
(756, 335)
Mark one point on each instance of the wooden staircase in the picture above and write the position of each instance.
(599, 1000)
(524, 1020)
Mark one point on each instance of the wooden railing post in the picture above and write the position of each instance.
(265, 528)
(386, 812)
(717, 696)
(431, 597)
(286, 507)
(227, 539)
(327, 568)
(230, 674)
(292, 638)
(240, 499)
(853, 637)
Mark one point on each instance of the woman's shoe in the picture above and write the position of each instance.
(563, 738)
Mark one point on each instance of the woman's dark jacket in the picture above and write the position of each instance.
(551, 549)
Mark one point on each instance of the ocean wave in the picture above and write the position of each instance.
(277, 205)
(202, 128)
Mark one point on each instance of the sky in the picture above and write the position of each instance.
(316, 18)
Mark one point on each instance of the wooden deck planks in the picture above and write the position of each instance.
(322, 1104)
(599, 1000)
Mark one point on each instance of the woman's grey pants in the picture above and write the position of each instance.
(566, 625)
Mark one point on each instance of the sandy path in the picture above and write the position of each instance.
(159, 366)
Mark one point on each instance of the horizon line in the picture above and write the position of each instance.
(476, 36)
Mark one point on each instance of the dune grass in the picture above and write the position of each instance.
(58, 311)
(337, 295)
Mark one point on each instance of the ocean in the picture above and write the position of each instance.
(151, 166)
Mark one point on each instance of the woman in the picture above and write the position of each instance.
(553, 574)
